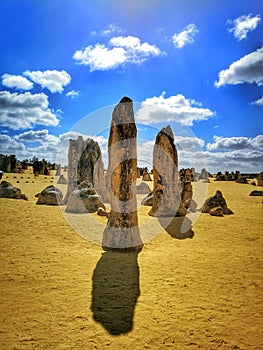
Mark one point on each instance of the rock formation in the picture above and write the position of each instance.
(8, 164)
(85, 164)
(62, 180)
(256, 193)
(122, 230)
(9, 191)
(148, 200)
(58, 170)
(166, 189)
(145, 175)
(260, 179)
(84, 199)
(51, 195)
(216, 201)
(143, 188)
(40, 167)
(204, 175)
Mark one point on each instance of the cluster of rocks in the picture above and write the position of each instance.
(40, 167)
(231, 176)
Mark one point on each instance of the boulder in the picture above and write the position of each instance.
(217, 211)
(84, 199)
(51, 195)
(9, 191)
(216, 201)
(143, 188)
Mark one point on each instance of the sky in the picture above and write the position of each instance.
(194, 65)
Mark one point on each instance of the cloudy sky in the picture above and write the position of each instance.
(196, 65)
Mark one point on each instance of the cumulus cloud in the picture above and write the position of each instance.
(258, 102)
(40, 136)
(236, 143)
(22, 111)
(249, 69)
(121, 50)
(174, 108)
(242, 25)
(73, 94)
(186, 36)
(17, 82)
(8, 145)
(112, 29)
(53, 80)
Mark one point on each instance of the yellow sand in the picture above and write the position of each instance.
(199, 293)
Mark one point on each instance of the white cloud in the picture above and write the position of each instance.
(243, 25)
(53, 80)
(186, 36)
(112, 28)
(258, 102)
(186, 142)
(174, 108)
(236, 143)
(40, 136)
(16, 81)
(22, 111)
(121, 50)
(249, 69)
(73, 94)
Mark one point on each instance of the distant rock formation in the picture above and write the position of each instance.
(227, 176)
(62, 180)
(58, 169)
(204, 175)
(260, 179)
(214, 202)
(51, 195)
(145, 175)
(40, 167)
(242, 180)
(85, 164)
(84, 199)
(8, 164)
(9, 191)
(166, 188)
(143, 188)
(187, 192)
(122, 230)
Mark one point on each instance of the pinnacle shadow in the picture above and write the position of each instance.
(178, 227)
(115, 290)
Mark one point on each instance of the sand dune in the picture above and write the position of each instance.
(60, 291)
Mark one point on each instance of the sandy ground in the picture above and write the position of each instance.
(60, 291)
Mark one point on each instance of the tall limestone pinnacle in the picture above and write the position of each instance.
(166, 188)
(122, 230)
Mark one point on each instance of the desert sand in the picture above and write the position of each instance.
(60, 291)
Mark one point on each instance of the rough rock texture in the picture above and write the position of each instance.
(8, 164)
(9, 191)
(84, 199)
(122, 230)
(260, 179)
(143, 188)
(166, 189)
(148, 200)
(85, 163)
(217, 211)
(190, 205)
(62, 180)
(256, 193)
(216, 201)
(187, 192)
(58, 170)
(91, 168)
(102, 212)
(51, 195)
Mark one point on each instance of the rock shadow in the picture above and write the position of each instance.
(115, 290)
(179, 227)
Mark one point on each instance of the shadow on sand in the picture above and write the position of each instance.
(115, 290)
(178, 227)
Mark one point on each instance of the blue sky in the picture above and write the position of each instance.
(196, 65)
